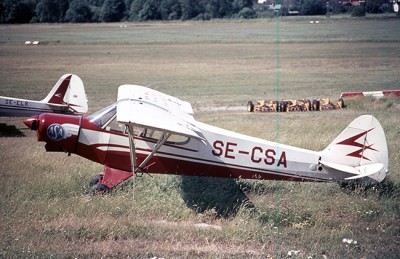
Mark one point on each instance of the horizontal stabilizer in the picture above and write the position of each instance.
(367, 170)
(148, 108)
(359, 171)
(343, 168)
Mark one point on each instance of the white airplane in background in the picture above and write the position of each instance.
(67, 96)
(147, 131)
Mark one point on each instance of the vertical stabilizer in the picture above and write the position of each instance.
(69, 90)
(359, 150)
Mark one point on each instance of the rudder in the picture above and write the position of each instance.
(360, 150)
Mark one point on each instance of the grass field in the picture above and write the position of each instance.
(218, 66)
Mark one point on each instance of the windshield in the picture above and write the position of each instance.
(103, 116)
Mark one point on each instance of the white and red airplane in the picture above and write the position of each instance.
(67, 96)
(146, 131)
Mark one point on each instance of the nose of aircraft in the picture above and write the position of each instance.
(32, 122)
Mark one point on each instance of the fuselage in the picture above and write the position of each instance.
(221, 153)
(14, 107)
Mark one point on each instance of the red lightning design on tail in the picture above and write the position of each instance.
(352, 142)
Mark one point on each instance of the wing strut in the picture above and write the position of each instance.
(141, 168)
(132, 147)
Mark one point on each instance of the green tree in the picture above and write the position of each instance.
(136, 6)
(2, 11)
(78, 11)
(374, 6)
(51, 10)
(170, 10)
(149, 11)
(112, 11)
(247, 13)
(313, 7)
(95, 8)
(142, 10)
(358, 11)
(16, 11)
(336, 7)
(238, 5)
(219, 8)
(189, 9)
(98, 3)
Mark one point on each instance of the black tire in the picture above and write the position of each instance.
(99, 188)
(284, 106)
(317, 105)
(95, 179)
(250, 106)
(278, 106)
(309, 105)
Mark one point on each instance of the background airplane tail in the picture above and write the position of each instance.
(360, 151)
(69, 90)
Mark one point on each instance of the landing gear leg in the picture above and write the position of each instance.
(111, 177)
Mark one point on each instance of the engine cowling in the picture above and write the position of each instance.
(60, 132)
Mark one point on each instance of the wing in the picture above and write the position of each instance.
(141, 106)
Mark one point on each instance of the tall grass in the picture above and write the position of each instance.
(46, 211)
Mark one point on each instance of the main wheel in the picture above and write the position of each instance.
(99, 188)
(95, 179)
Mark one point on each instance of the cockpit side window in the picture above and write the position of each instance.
(156, 135)
(145, 133)
(114, 125)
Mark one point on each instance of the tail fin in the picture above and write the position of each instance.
(360, 151)
(69, 90)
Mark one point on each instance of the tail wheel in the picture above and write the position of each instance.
(250, 106)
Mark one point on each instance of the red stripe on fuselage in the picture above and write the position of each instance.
(170, 163)
(164, 165)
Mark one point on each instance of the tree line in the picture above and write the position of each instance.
(57, 11)
(26, 11)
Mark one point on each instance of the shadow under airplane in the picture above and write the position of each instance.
(10, 131)
(223, 195)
